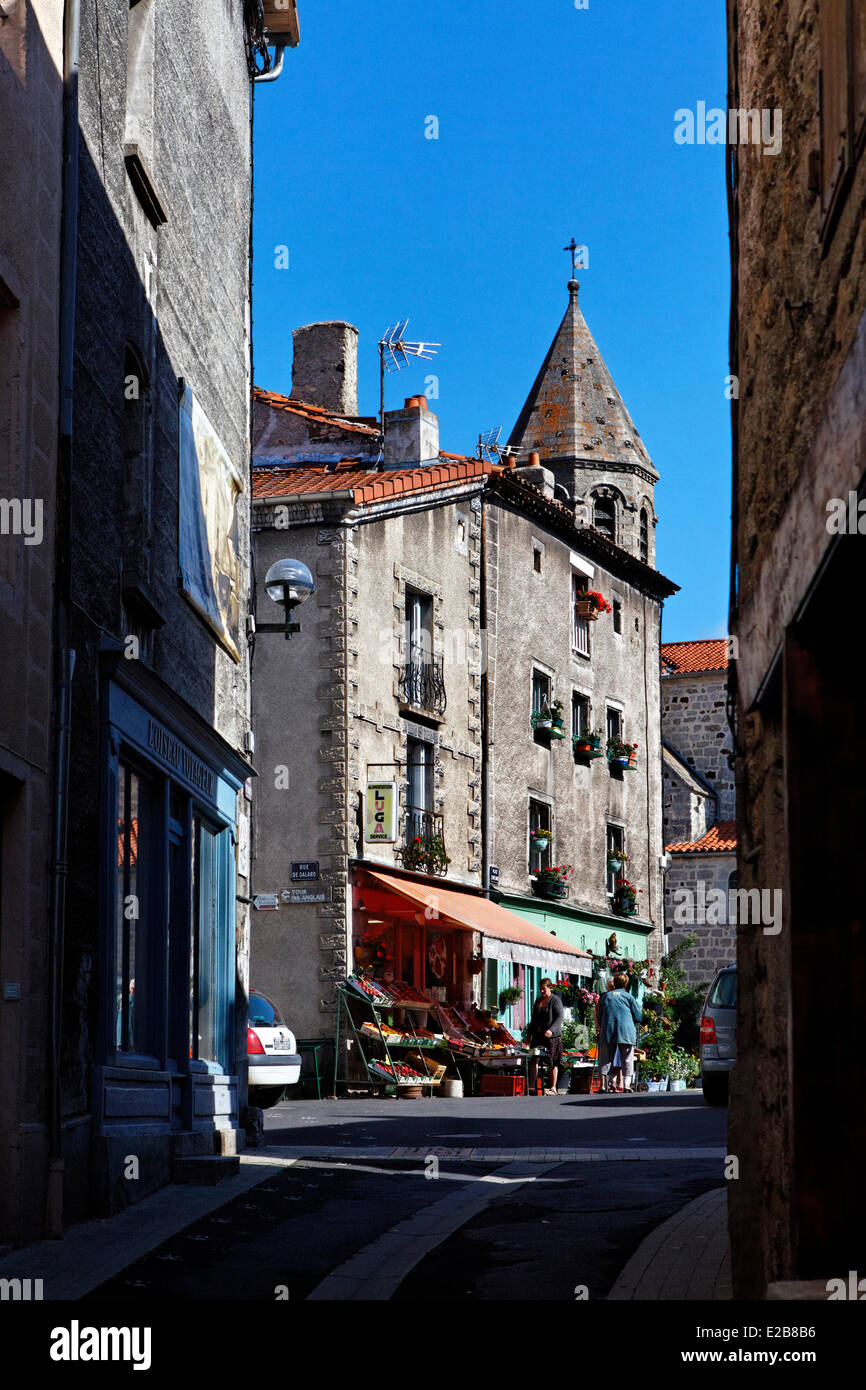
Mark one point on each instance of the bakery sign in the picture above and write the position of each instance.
(380, 813)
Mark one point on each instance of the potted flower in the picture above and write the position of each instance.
(556, 720)
(587, 744)
(539, 838)
(512, 994)
(621, 754)
(553, 882)
(590, 603)
(616, 860)
(625, 898)
(426, 855)
(475, 965)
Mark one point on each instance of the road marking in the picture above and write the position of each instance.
(377, 1270)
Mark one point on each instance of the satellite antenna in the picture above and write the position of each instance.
(490, 449)
(394, 354)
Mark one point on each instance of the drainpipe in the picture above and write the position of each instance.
(64, 657)
(485, 713)
(273, 73)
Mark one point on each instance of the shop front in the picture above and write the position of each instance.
(447, 968)
(166, 1085)
(600, 934)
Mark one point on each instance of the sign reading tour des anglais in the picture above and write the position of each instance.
(380, 813)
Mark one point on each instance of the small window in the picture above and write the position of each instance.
(540, 691)
(604, 517)
(614, 723)
(644, 536)
(617, 615)
(579, 625)
(615, 846)
(537, 556)
(539, 821)
(580, 713)
(461, 532)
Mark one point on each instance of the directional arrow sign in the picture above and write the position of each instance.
(266, 902)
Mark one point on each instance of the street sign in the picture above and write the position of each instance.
(266, 902)
(304, 895)
(305, 869)
(494, 875)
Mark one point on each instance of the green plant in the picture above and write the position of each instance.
(683, 1002)
(556, 873)
(617, 748)
(508, 996)
(427, 854)
(682, 1066)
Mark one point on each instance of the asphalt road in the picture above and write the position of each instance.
(500, 1200)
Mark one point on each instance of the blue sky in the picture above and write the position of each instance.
(553, 122)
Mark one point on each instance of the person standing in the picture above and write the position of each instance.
(619, 1013)
(545, 1030)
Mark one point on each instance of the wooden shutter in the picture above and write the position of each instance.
(859, 57)
(834, 101)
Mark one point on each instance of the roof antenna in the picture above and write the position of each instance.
(489, 448)
(394, 354)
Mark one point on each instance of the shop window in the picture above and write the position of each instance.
(579, 625)
(133, 946)
(615, 845)
(211, 959)
(539, 820)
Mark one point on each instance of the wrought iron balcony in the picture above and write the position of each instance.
(422, 684)
(424, 849)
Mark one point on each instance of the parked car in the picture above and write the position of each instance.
(272, 1053)
(719, 1035)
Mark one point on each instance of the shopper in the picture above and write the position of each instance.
(619, 1013)
(545, 1030)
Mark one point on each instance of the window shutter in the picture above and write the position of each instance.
(834, 102)
(859, 36)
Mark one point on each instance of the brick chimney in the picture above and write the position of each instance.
(325, 366)
(411, 434)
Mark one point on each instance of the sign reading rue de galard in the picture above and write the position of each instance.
(305, 870)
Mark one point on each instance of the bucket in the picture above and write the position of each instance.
(452, 1089)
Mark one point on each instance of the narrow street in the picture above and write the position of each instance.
(536, 1198)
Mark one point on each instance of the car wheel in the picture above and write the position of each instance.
(715, 1086)
(266, 1096)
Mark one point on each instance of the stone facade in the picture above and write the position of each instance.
(799, 357)
(699, 792)
(31, 67)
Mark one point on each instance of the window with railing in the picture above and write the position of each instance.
(422, 679)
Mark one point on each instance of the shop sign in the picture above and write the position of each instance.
(173, 752)
(305, 869)
(380, 813)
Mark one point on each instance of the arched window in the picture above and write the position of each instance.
(644, 536)
(604, 517)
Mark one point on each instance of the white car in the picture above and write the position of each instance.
(272, 1053)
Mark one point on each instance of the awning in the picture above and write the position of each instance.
(506, 936)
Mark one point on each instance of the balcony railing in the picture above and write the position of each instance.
(424, 849)
(422, 684)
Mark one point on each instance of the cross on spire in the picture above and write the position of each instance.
(573, 248)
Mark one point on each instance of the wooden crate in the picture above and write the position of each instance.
(503, 1086)
(281, 18)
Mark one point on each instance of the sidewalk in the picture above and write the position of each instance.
(684, 1259)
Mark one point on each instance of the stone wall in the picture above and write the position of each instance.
(700, 875)
(694, 723)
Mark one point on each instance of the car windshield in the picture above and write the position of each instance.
(723, 994)
(263, 1013)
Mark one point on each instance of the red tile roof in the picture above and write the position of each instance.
(358, 424)
(350, 476)
(722, 838)
(703, 654)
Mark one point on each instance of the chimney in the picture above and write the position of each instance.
(325, 366)
(542, 478)
(411, 434)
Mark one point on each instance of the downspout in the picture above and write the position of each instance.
(64, 658)
(485, 711)
(273, 73)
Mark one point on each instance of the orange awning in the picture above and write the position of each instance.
(476, 913)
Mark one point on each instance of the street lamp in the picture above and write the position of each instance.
(287, 582)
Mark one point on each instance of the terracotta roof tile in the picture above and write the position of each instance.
(358, 424)
(703, 654)
(720, 839)
(348, 475)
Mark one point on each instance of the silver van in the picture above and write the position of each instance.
(719, 1035)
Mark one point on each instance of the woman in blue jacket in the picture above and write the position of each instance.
(619, 1013)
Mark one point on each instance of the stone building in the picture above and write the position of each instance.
(448, 590)
(31, 119)
(125, 951)
(699, 804)
(798, 237)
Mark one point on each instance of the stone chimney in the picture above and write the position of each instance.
(542, 478)
(325, 366)
(411, 434)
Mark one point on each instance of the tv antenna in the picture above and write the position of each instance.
(394, 354)
(490, 449)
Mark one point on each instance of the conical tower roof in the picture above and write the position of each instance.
(574, 410)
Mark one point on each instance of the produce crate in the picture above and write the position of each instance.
(503, 1086)
(435, 1070)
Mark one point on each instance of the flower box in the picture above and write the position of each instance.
(590, 603)
(556, 729)
(547, 888)
(542, 720)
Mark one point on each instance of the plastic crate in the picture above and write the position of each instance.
(503, 1086)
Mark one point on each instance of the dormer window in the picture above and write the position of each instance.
(604, 517)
